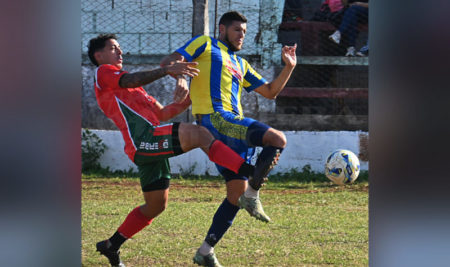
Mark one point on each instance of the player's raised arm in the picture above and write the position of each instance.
(172, 110)
(136, 79)
(171, 59)
(272, 89)
(182, 88)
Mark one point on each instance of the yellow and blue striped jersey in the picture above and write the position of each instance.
(222, 76)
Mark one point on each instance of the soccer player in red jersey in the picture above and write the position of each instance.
(147, 143)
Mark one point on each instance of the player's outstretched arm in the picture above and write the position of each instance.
(181, 89)
(136, 79)
(170, 111)
(272, 89)
(171, 59)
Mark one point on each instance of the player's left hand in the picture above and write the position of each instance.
(181, 90)
(288, 55)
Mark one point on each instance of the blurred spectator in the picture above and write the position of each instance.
(364, 51)
(356, 13)
(330, 11)
(292, 10)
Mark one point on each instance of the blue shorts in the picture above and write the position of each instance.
(240, 134)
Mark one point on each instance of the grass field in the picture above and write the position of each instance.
(314, 223)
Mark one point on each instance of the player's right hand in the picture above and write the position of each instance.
(181, 90)
(183, 68)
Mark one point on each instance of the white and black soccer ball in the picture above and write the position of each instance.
(342, 167)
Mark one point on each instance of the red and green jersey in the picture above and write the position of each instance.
(121, 104)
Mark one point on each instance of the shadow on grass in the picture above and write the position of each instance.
(302, 178)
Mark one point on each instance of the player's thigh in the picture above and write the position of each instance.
(192, 136)
(154, 175)
(157, 143)
(228, 128)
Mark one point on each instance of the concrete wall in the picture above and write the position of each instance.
(303, 148)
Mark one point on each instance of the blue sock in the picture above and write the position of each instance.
(222, 220)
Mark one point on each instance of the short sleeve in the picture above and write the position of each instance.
(252, 79)
(108, 76)
(194, 47)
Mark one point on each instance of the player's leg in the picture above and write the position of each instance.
(154, 173)
(273, 143)
(234, 136)
(222, 221)
(239, 133)
(137, 219)
(195, 136)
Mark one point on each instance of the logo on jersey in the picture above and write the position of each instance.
(234, 70)
(162, 144)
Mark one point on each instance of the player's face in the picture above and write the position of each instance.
(235, 34)
(110, 54)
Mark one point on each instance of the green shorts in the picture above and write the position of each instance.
(154, 148)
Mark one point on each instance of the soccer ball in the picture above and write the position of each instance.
(342, 167)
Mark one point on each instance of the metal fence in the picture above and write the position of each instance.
(157, 27)
(143, 27)
(324, 83)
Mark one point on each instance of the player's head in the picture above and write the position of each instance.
(232, 29)
(104, 49)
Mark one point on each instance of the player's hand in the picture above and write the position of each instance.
(181, 90)
(288, 55)
(183, 68)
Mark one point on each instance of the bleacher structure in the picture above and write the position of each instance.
(327, 91)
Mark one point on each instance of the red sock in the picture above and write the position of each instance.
(135, 222)
(224, 156)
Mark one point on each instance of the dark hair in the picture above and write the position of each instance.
(98, 43)
(231, 16)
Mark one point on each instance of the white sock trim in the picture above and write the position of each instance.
(205, 249)
(251, 193)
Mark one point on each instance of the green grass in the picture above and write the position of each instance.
(314, 223)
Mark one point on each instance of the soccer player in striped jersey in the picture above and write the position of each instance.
(216, 104)
(147, 143)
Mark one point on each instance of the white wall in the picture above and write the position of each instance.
(303, 148)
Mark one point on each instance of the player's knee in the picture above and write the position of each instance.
(162, 207)
(233, 199)
(282, 141)
(278, 139)
(154, 209)
(205, 136)
(233, 196)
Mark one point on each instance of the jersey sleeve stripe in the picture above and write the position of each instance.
(184, 54)
(199, 51)
(254, 81)
(193, 48)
